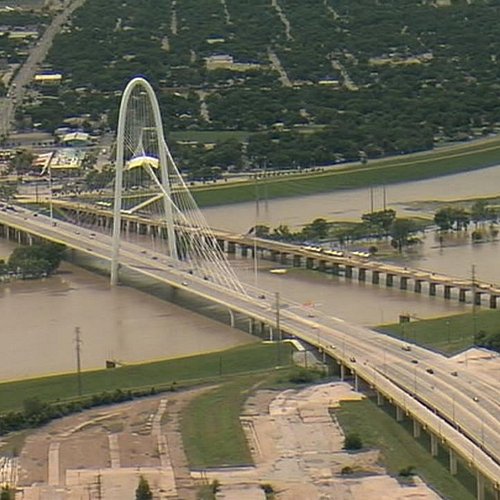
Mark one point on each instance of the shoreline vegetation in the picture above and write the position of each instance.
(465, 157)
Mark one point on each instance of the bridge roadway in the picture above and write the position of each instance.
(462, 410)
(288, 253)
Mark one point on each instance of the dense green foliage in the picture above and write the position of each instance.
(36, 260)
(362, 79)
(143, 491)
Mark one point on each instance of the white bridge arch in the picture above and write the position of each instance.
(141, 146)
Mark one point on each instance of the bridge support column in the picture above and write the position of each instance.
(493, 301)
(322, 265)
(271, 333)
(403, 282)
(447, 291)
(479, 486)
(418, 286)
(251, 325)
(453, 463)
(231, 318)
(389, 280)
(477, 298)
(399, 414)
(297, 261)
(335, 268)
(416, 429)
(375, 277)
(461, 294)
(380, 399)
(362, 274)
(432, 289)
(348, 271)
(309, 263)
(434, 445)
(342, 372)
(356, 382)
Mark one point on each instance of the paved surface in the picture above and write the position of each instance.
(297, 449)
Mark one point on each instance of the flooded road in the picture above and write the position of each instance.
(38, 320)
(349, 205)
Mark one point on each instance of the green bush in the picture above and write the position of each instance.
(353, 442)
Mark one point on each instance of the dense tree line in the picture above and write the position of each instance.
(408, 74)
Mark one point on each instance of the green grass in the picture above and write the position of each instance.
(249, 358)
(399, 169)
(449, 334)
(378, 429)
(211, 428)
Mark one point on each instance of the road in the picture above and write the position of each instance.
(24, 76)
(454, 401)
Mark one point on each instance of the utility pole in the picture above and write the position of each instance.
(78, 342)
(474, 322)
(278, 326)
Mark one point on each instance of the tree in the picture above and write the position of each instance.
(317, 229)
(143, 491)
(400, 230)
(381, 220)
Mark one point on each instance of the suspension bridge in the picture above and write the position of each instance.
(461, 414)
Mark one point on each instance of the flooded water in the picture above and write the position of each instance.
(349, 205)
(38, 320)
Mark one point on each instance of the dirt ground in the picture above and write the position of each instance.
(101, 453)
(297, 449)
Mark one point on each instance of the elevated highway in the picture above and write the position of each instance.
(459, 408)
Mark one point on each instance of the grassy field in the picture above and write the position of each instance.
(211, 428)
(388, 171)
(378, 429)
(212, 366)
(449, 334)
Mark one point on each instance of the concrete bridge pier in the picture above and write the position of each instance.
(432, 289)
(403, 283)
(417, 428)
(453, 463)
(479, 486)
(462, 294)
(418, 286)
(447, 291)
(380, 399)
(375, 277)
(389, 280)
(477, 298)
(342, 372)
(399, 414)
(493, 301)
(362, 274)
(356, 382)
(348, 271)
(434, 445)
